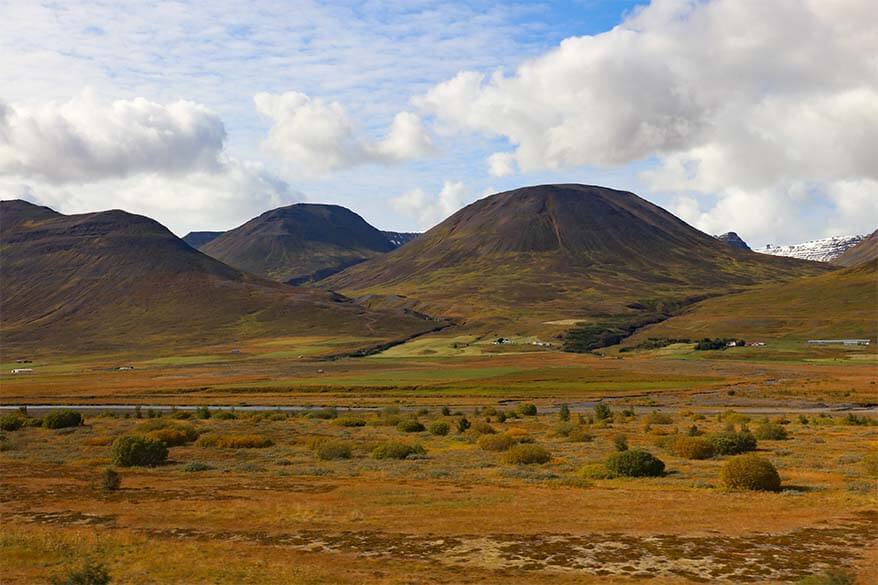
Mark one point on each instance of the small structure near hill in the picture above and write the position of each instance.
(22, 370)
(839, 341)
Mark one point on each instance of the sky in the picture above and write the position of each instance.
(744, 115)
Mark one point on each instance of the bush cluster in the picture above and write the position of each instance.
(349, 421)
(635, 463)
(91, 573)
(527, 409)
(172, 434)
(750, 472)
(138, 450)
(440, 428)
(409, 425)
(496, 442)
(62, 419)
(12, 421)
(731, 443)
(527, 454)
(235, 441)
(395, 450)
(691, 447)
(768, 431)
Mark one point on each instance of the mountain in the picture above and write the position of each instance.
(113, 280)
(199, 239)
(734, 240)
(825, 250)
(400, 238)
(550, 255)
(299, 243)
(838, 304)
(865, 250)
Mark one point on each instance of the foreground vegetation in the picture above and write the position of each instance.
(456, 494)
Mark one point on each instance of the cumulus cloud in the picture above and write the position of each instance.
(319, 136)
(428, 210)
(746, 101)
(85, 139)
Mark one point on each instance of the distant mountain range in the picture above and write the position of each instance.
(113, 280)
(733, 240)
(824, 250)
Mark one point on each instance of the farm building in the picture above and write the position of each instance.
(839, 341)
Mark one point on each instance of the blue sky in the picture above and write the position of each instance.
(734, 114)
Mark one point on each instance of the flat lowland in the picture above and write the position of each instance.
(316, 506)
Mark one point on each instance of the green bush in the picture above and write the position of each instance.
(446, 411)
(329, 450)
(564, 412)
(690, 447)
(196, 466)
(462, 425)
(224, 415)
(730, 443)
(395, 450)
(12, 422)
(635, 463)
(659, 418)
(482, 428)
(750, 472)
(831, 577)
(620, 442)
(349, 421)
(596, 471)
(111, 480)
(527, 455)
(61, 419)
(496, 442)
(769, 431)
(410, 425)
(131, 450)
(235, 441)
(564, 428)
(174, 435)
(90, 574)
(324, 413)
(201, 412)
(602, 411)
(440, 428)
(527, 409)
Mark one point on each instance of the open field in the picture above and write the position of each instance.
(456, 513)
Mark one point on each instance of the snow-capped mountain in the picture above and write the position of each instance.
(400, 238)
(825, 250)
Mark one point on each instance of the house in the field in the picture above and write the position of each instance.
(22, 370)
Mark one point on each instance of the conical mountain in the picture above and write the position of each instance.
(558, 253)
(299, 243)
(113, 280)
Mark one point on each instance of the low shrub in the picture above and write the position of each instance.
(349, 421)
(635, 463)
(224, 415)
(91, 573)
(62, 419)
(482, 428)
(446, 411)
(181, 415)
(564, 412)
(324, 413)
(12, 421)
(620, 442)
(334, 449)
(196, 466)
(771, 432)
(659, 418)
(202, 412)
(564, 429)
(750, 472)
(596, 471)
(527, 455)
(580, 435)
(462, 425)
(138, 450)
(730, 443)
(440, 428)
(831, 577)
(527, 409)
(496, 442)
(175, 435)
(602, 411)
(870, 464)
(396, 450)
(111, 480)
(235, 441)
(690, 447)
(410, 425)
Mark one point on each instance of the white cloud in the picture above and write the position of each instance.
(319, 137)
(429, 210)
(84, 139)
(748, 102)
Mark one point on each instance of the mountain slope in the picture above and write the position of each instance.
(299, 243)
(559, 253)
(825, 250)
(734, 240)
(838, 304)
(199, 239)
(113, 280)
(864, 251)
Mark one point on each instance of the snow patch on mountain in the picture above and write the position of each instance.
(825, 250)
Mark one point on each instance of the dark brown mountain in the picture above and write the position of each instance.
(299, 243)
(863, 252)
(734, 240)
(557, 254)
(113, 280)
